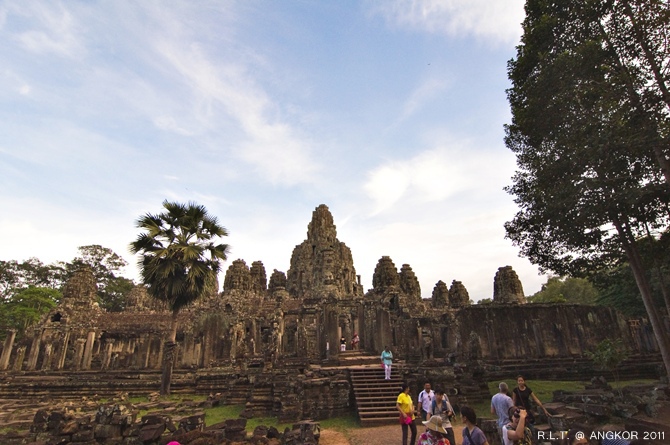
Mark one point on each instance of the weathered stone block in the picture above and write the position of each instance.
(259, 440)
(273, 433)
(260, 431)
(597, 410)
(39, 422)
(151, 432)
(106, 432)
(624, 411)
(192, 423)
(69, 428)
(558, 423)
(83, 436)
(235, 424)
(154, 419)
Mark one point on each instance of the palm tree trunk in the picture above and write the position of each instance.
(168, 357)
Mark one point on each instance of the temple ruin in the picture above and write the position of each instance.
(261, 333)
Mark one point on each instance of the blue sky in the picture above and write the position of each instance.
(390, 112)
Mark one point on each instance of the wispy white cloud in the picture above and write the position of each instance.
(55, 29)
(483, 19)
(425, 92)
(435, 175)
(271, 145)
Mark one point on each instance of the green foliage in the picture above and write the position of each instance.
(26, 307)
(616, 283)
(618, 289)
(608, 354)
(15, 276)
(485, 301)
(179, 258)
(566, 290)
(106, 265)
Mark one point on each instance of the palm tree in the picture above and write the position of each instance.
(179, 262)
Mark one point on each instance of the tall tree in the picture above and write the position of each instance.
(180, 261)
(588, 182)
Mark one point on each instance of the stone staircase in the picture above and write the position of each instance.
(375, 397)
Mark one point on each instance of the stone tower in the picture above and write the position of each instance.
(80, 298)
(507, 287)
(458, 295)
(322, 266)
(440, 297)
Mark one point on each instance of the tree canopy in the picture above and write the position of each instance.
(30, 288)
(566, 290)
(26, 307)
(590, 141)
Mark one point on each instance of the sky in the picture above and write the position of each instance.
(390, 112)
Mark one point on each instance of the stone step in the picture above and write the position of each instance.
(375, 397)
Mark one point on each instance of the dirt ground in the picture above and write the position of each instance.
(380, 435)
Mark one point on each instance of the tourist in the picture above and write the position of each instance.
(521, 397)
(343, 344)
(425, 401)
(435, 433)
(472, 435)
(500, 405)
(405, 406)
(441, 407)
(516, 432)
(387, 360)
(355, 341)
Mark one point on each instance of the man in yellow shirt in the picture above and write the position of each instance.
(406, 409)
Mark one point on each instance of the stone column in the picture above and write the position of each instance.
(63, 351)
(146, 350)
(197, 353)
(79, 353)
(34, 350)
(46, 363)
(88, 351)
(20, 356)
(159, 362)
(107, 358)
(7, 349)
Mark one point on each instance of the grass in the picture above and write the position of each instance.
(222, 412)
(342, 423)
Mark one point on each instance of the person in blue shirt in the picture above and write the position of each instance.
(387, 360)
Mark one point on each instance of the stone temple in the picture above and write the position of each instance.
(281, 335)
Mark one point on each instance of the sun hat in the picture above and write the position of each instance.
(173, 443)
(435, 424)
